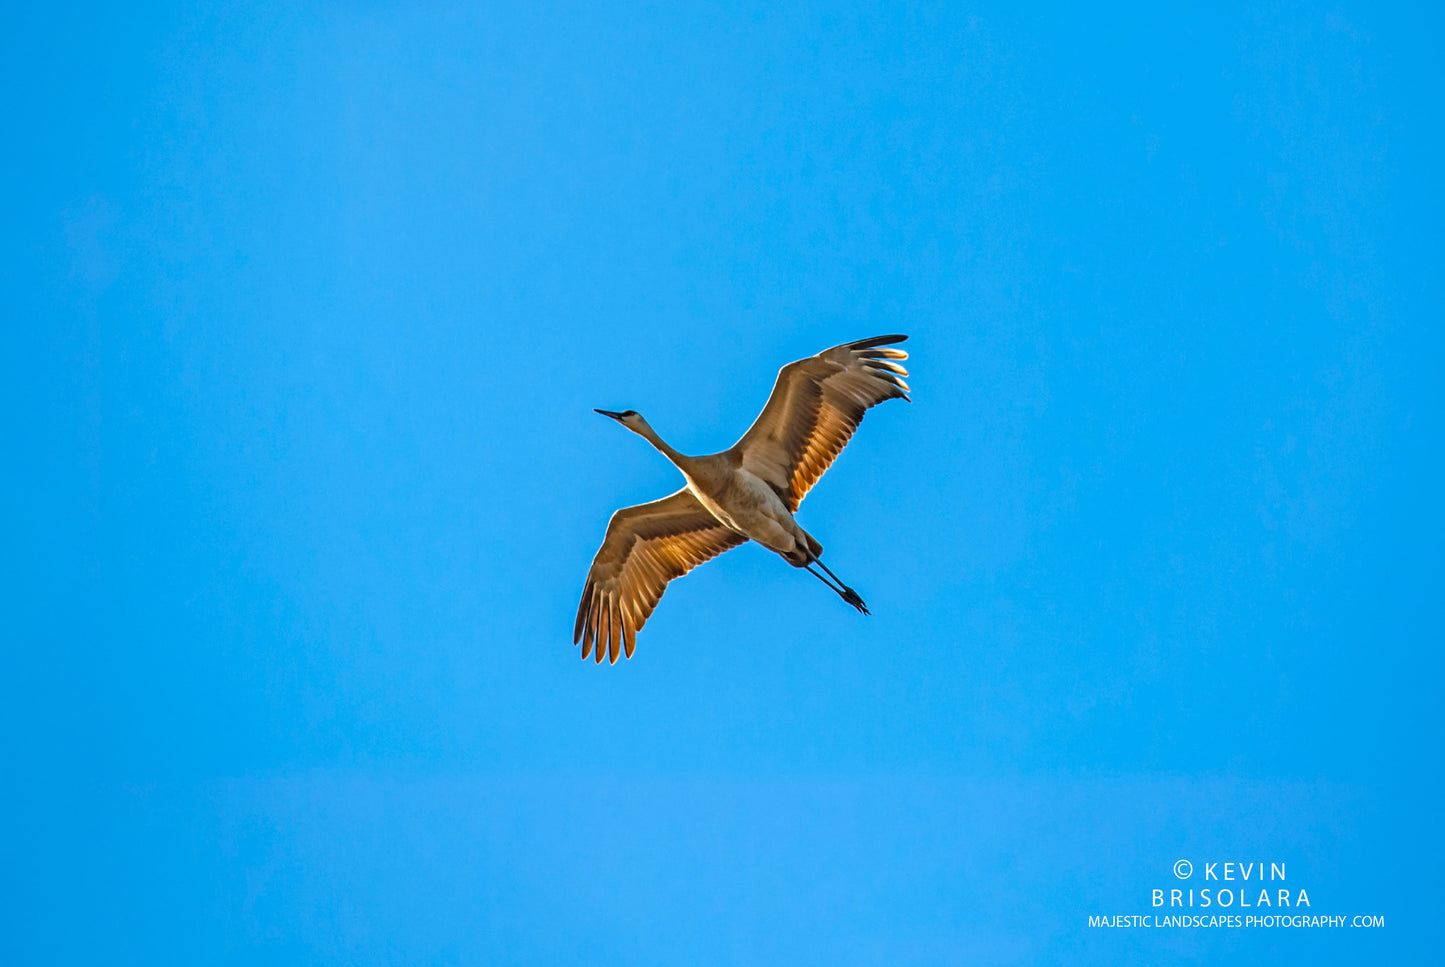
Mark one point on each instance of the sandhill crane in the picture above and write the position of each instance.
(749, 491)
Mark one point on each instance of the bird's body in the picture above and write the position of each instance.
(748, 492)
(744, 502)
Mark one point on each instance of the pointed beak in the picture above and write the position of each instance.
(615, 416)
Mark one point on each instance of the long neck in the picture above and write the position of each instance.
(650, 435)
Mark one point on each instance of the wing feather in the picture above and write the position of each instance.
(646, 547)
(816, 405)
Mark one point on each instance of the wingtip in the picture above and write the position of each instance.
(883, 365)
(877, 341)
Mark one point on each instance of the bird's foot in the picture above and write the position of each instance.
(852, 598)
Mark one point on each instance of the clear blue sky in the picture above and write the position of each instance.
(307, 308)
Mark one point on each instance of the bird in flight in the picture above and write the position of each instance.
(749, 491)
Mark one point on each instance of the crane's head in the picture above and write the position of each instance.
(629, 418)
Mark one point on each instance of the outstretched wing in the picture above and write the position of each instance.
(816, 405)
(646, 546)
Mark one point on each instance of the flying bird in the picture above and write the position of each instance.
(749, 491)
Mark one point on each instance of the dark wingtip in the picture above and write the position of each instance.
(876, 341)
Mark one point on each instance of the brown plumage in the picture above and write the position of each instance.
(816, 405)
(646, 546)
(749, 491)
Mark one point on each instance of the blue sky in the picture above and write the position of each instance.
(308, 309)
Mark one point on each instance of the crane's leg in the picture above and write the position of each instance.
(849, 594)
(842, 590)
